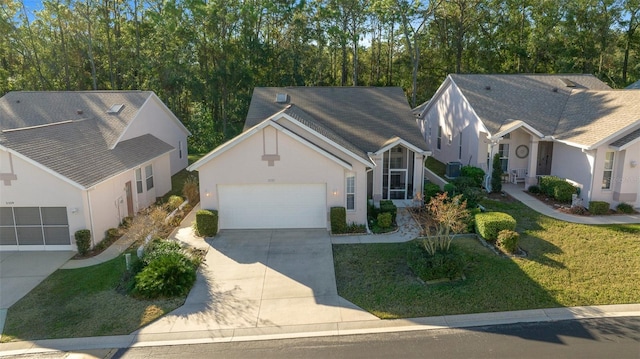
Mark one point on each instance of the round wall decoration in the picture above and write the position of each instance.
(522, 151)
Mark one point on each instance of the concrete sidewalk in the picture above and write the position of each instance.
(316, 330)
(517, 192)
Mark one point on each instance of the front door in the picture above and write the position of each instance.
(545, 152)
(127, 187)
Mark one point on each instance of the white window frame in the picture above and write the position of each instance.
(504, 156)
(350, 191)
(139, 186)
(148, 174)
(606, 185)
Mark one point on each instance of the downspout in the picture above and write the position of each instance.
(90, 217)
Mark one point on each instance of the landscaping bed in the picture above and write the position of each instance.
(567, 265)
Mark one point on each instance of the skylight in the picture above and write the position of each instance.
(115, 109)
(281, 98)
(568, 82)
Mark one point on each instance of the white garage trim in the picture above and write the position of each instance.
(272, 206)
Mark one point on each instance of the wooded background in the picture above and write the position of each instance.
(204, 57)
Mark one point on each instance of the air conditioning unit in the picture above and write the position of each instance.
(453, 169)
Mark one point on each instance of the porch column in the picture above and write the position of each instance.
(533, 164)
(377, 179)
(418, 172)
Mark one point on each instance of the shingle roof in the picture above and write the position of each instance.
(535, 99)
(631, 136)
(72, 134)
(591, 116)
(26, 109)
(634, 86)
(366, 117)
(584, 113)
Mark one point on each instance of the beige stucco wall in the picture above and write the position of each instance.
(572, 163)
(109, 199)
(35, 187)
(456, 116)
(154, 119)
(243, 164)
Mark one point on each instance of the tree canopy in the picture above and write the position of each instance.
(204, 57)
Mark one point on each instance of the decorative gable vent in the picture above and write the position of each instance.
(567, 82)
(115, 109)
(282, 98)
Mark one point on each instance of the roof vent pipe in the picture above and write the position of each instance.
(487, 88)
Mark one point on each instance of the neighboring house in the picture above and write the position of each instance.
(572, 126)
(634, 86)
(307, 149)
(82, 160)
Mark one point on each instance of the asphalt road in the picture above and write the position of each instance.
(590, 338)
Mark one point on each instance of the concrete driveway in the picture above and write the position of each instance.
(263, 278)
(20, 272)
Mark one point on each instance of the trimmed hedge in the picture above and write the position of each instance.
(489, 224)
(508, 240)
(388, 206)
(338, 216)
(598, 207)
(625, 208)
(563, 191)
(384, 220)
(83, 241)
(207, 222)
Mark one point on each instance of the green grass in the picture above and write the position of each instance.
(568, 265)
(82, 302)
(436, 166)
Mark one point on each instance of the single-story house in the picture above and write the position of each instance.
(571, 126)
(307, 149)
(82, 160)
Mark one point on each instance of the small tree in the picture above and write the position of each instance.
(496, 174)
(450, 216)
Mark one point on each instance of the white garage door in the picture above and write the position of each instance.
(272, 206)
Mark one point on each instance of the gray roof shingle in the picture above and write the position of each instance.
(634, 86)
(48, 128)
(631, 136)
(365, 117)
(585, 113)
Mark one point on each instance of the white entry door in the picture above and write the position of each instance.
(272, 206)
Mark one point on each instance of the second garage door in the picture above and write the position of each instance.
(272, 206)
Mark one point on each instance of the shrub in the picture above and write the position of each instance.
(563, 191)
(388, 206)
(598, 207)
(489, 224)
(83, 241)
(476, 174)
(534, 189)
(508, 240)
(384, 220)
(548, 184)
(625, 208)
(450, 189)
(356, 228)
(112, 233)
(430, 190)
(174, 202)
(190, 190)
(338, 216)
(471, 219)
(437, 266)
(168, 275)
(207, 222)
(496, 174)
(159, 247)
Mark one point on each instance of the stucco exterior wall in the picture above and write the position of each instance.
(298, 163)
(626, 177)
(154, 119)
(456, 117)
(35, 187)
(574, 164)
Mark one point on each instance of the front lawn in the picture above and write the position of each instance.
(82, 302)
(568, 265)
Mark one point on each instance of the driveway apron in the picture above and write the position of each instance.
(263, 278)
